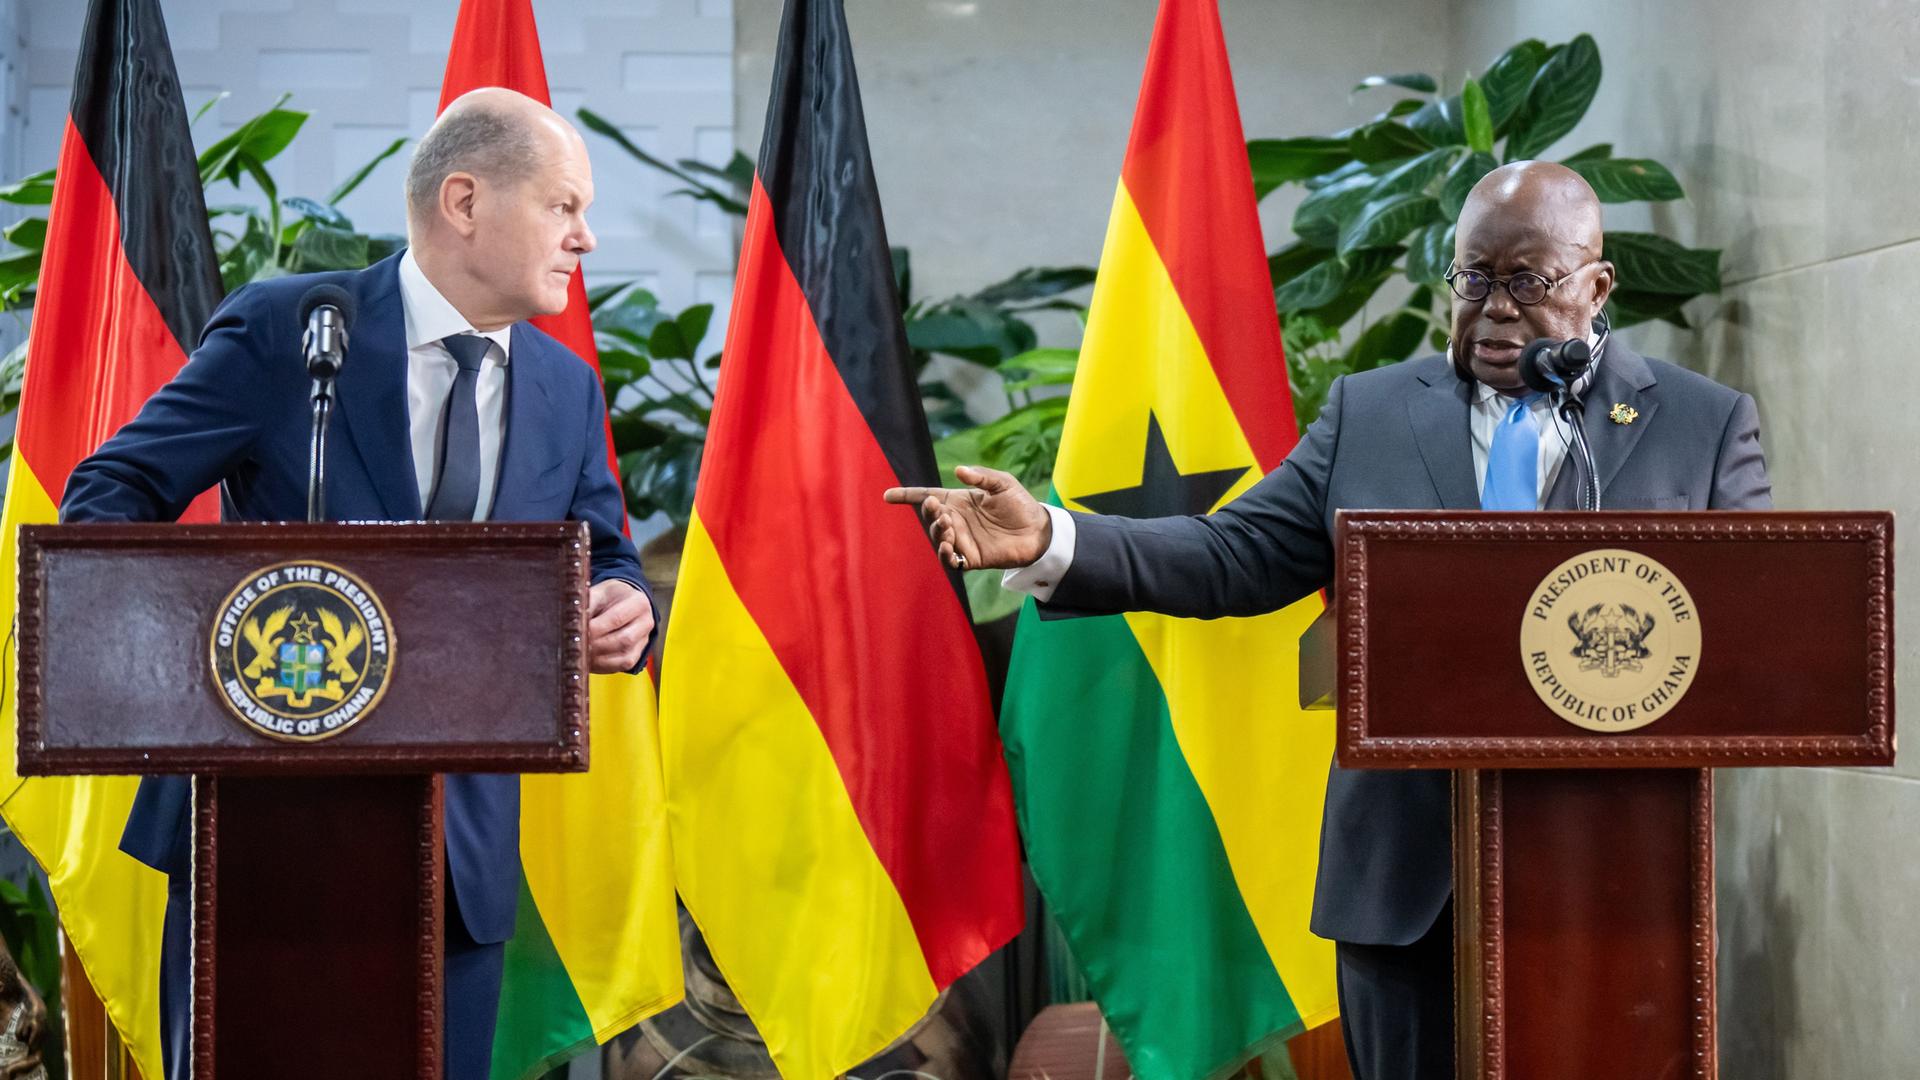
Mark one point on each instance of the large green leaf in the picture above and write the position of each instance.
(1411, 81)
(1293, 260)
(975, 332)
(697, 188)
(1039, 367)
(260, 140)
(1439, 122)
(1414, 176)
(1618, 180)
(1367, 270)
(1322, 215)
(347, 186)
(325, 248)
(679, 338)
(1280, 161)
(28, 233)
(35, 190)
(1507, 80)
(1591, 153)
(1645, 262)
(1460, 180)
(1035, 283)
(1317, 286)
(1429, 251)
(1393, 338)
(1475, 118)
(1385, 222)
(1558, 98)
(1630, 306)
(1386, 140)
(1315, 183)
(318, 212)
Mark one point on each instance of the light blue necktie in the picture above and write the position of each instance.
(1513, 461)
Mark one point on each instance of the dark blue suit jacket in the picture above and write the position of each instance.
(238, 415)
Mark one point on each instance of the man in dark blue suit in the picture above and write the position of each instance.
(450, 407)
(1459, 432)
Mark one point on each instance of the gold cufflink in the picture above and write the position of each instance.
(1621, 414)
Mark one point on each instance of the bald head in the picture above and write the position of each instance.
(497, 198)
(1529, 218)
(492, 133)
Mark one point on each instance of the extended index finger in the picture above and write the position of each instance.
(911, 496)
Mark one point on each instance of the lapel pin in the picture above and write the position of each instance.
(1622, 414)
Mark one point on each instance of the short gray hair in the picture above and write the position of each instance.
(490, 143)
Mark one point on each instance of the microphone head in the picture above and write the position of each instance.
(327, 296)
(1547, 365)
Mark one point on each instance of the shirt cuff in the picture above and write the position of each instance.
(1039, 579)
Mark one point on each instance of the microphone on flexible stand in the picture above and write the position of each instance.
(325, 311)
(1560, 368)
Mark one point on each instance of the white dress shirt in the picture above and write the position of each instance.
(1489, 408)
(430, 372)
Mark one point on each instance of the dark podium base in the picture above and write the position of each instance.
(317, 930)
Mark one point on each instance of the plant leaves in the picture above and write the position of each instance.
(360, 175)
(1367, 270)
(726, 201)
(1475, 118)
(261, 138)
(1293, 260)
(971, 331)
(326, 248)
(1414, 176)
(1393, 338)
(1039, 367)
(1429, 252)
(1385, 222)
(1647, 263)
(1561, 92)
(1591, 153)
(1507, 81)
(35, 190)
(1280, 161)
(1401, 108)
(1619, 180)
(1460, 180)
(1439, 122)
(29, 233)
(317, 212)
(1322, 215)
(1317, 286)
(1411, 81)
(1630, 306)
(1035, 283)
(1386, 140)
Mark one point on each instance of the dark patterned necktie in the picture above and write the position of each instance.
(456, 490)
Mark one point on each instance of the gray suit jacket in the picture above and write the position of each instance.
(1398, 438)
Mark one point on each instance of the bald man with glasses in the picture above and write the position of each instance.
(1459, 432)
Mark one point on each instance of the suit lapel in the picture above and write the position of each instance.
(371, 394)
(1438, 413)
(1624, 379)
(529, 411)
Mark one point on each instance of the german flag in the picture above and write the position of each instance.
(842, 823)
(127, 281)
(596, 944)
(1188, 910)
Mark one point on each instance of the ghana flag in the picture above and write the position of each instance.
(127, 280)
(597, 943)
(1188, 909)
(842, 824)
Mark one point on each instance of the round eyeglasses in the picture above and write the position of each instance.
(1525, 287)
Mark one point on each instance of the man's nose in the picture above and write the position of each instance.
(1500, 305)
(582, 240)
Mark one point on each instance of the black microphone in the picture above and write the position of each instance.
(1548, 365)
(325, 311)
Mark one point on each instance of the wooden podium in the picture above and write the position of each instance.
(318, 887)
(1584, 881)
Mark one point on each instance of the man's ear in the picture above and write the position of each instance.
(457, 194)
(1602, 286)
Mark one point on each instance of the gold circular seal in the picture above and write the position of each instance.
(301, 651)
(1610, 640)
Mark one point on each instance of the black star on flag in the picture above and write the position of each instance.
(1164, 490)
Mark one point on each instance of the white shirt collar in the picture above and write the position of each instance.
(430, 316)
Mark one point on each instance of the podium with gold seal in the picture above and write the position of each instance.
(1582, 674)
(314, 679)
